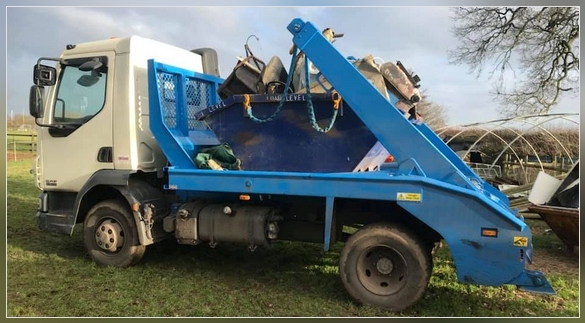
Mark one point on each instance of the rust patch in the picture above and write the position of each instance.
(472, 243)
(247, 138)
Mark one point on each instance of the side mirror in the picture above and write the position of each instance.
(92, 65)
(44, 75)
(89, 80)
(36, 107)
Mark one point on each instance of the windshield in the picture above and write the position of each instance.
(80, 96)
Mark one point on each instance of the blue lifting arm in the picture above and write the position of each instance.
(409, 143)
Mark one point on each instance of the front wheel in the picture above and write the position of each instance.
(386, 266)
(109, 235)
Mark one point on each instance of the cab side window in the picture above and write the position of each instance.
(80, 96)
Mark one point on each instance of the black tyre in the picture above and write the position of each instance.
(386, 266)
(110, 237)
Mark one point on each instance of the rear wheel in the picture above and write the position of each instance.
(385, 265)
(109, 235)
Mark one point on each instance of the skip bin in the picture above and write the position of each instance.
(289, 142)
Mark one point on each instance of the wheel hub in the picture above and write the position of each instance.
(384, 266)
(108, 236)
(382, 270)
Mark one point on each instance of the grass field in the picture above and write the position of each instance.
(51, 275)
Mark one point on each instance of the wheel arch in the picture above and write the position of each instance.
(124, 186)
(95, 195)
(357, 212)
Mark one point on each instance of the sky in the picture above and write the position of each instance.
(419, 37)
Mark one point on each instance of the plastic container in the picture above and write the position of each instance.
(543, 189)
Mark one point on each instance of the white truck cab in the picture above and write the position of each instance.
(93, 122)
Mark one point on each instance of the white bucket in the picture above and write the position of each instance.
(543, 189)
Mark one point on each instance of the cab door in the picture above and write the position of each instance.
(78, 141)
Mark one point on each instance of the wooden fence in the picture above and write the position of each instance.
(21, 142)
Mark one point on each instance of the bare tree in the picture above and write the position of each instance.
(542, 41)
(434, 115)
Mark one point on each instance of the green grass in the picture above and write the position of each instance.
(51, 275)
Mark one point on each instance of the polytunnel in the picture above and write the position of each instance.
(514, 150)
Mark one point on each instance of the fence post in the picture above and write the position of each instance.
(14, 145)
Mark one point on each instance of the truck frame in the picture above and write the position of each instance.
(130, 178)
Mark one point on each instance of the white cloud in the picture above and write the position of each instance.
(87, 21)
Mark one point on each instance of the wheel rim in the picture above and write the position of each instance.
(109, 235)
(382, 270)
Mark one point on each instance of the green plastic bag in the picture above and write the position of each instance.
(218, 157)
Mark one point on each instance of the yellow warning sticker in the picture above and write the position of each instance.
(411, 197)
(521, 241)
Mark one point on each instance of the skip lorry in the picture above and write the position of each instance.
(140, 141)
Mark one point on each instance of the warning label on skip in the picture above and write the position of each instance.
(410, 197)
(521, 241)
